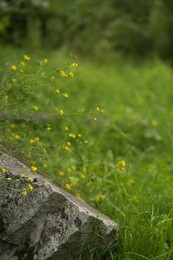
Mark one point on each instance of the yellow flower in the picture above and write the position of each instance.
(22, 63)
(71, 74)
(13, 80)
(67, 149)
(66, 128)
(22, 175)
(131, 181)
(30, 187)
(121, 165)
(3, 170)
(69, 144)
(61, 112)
(95, 119)
(99, 110)
(67, 186)
(35, 108)
(83, 176)
(33, 168)
(32, 141)
(74, 65)
(30, 179)
(62, 73)
(65, 95)
(17, 137)
(9, 179)
(57, 91)
(86, 142)
(61, 174)
(79, 135)
(24, 193)
(21, 70)
(72, 135)
(45, 61)
(26, 57)
(100, 197)
(49, 128)
(13, 68)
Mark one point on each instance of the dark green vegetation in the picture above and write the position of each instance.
(136, 126)
(134, 28)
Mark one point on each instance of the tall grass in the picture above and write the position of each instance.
(120, 112)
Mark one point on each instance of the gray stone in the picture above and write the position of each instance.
(48, 223)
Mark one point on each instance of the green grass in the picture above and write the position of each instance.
(136, 126)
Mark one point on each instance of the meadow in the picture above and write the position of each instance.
(103, 132)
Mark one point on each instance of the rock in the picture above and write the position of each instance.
(48, 223)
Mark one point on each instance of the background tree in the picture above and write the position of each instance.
(132, 28)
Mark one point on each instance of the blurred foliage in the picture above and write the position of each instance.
(132, 28)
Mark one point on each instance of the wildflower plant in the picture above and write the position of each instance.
(15, 183)
(41, 126)
(43, 129)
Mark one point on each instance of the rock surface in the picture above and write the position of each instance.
(48, 223)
